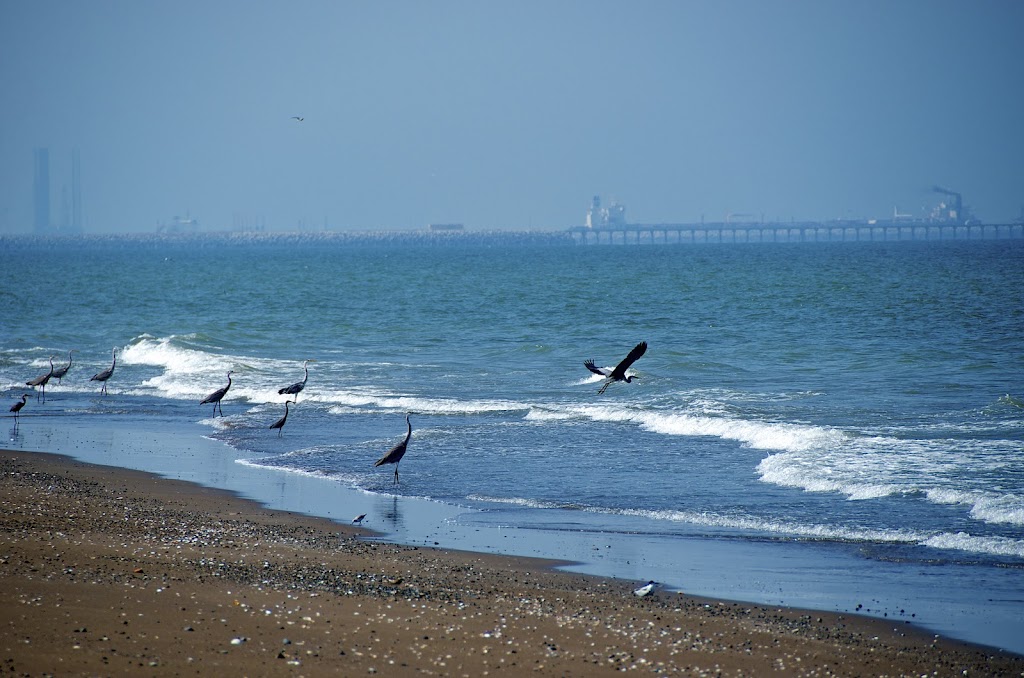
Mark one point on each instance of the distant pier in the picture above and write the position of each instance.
(843, 231)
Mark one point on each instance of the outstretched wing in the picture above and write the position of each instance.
(589, 364)
(620, 370)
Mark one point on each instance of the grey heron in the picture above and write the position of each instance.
(217, 396)
(297, 387)
(107, 373)
(618, 373)
(279, 424)
(41, 380)
(16, 407)
(395, 454)
(60, 372)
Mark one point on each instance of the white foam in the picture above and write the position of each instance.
(961, 541)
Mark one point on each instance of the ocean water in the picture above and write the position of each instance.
(863, 398)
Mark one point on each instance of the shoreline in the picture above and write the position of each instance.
(108, 569)
(968, 603)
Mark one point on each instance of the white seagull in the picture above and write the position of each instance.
(644, 590)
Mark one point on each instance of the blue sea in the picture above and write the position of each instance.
(835, 420)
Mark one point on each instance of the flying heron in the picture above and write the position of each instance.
(107, 373)
(395, 454)
(16, 407)
(59, 373)
(619, 373)
(297, 387)
(279, 424)
(41, 380)
(218, 395)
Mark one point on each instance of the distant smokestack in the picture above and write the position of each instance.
(41, 191)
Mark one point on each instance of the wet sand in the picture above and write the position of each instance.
(105, 571)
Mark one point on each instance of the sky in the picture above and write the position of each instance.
(509, 115)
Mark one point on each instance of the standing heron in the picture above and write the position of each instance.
(218, 395)
(59, 373)
(41, 380)
(16, 407)
(279, 424)
(619, 372)
(107, 373)
(297, 387)
(395, 454)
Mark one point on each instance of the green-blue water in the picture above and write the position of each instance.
(865, 395)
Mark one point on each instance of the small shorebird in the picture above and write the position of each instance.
(41, 380)
(297, 387)
(107, 373)
(358, 519)
(619, 372)
(217, 396)
(644, 590)
(16, 408)
(395, 454)
(279, 424)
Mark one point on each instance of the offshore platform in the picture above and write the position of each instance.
(950, 219)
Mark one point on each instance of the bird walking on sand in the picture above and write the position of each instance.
(218, 395)
(41, 381)
(358, 520)
(279, 424)
(16, 407)
(645, 590)
(297, 387)
(395, 454)
(60, 372)
(107, 373)
(619, 372)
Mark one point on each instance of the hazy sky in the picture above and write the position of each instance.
(509, 114)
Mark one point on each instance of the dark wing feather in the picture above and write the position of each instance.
(620, 370)
(102, 376)
(589, 364)
(215, 396)
(392, 456)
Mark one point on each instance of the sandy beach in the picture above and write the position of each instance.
(106, 571)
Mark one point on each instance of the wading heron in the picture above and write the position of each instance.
(16, 407)
(107, 373)
(41, 380)
(217, 396)
(395, 454)
(279, 424)
(297, 387)
(59, 373)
